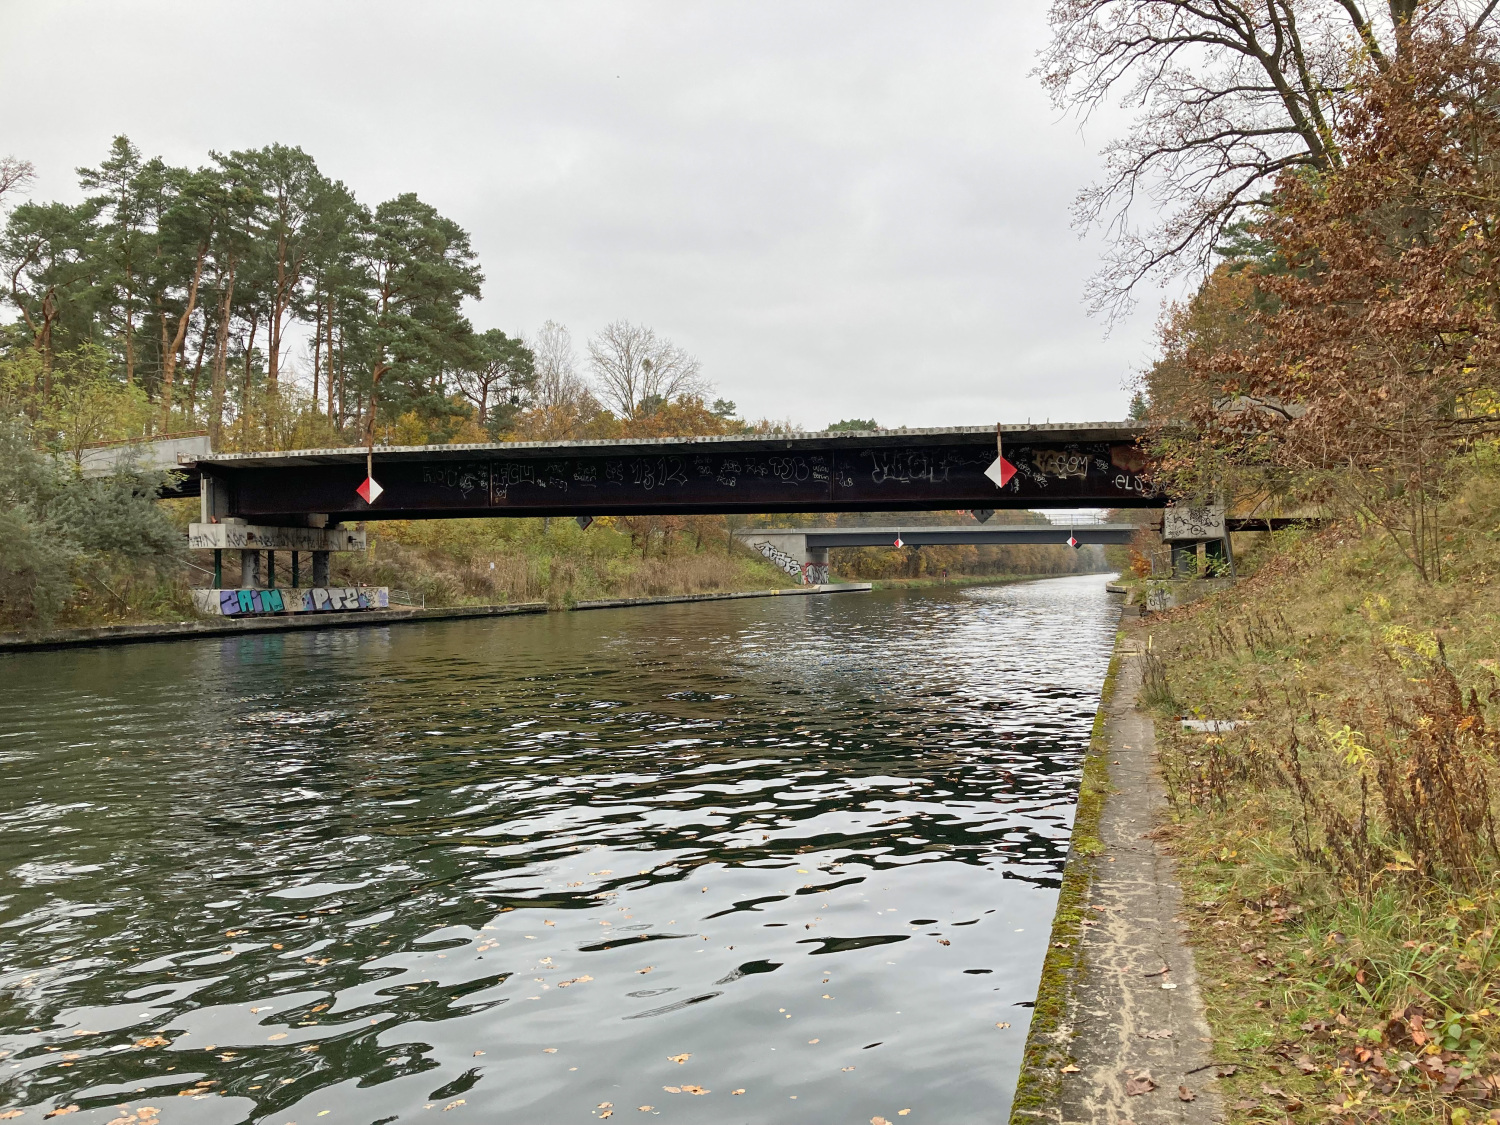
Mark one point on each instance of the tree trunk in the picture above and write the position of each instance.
(129, 327)
(198, 368)
(245, 390)
(221, 361)
(331, 307)
(317, 346)
(169, 355)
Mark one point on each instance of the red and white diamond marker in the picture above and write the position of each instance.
(369, 492)
(1000, 472)
(898, 541)
(1073, 542)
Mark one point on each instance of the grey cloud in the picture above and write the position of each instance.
(843, 209)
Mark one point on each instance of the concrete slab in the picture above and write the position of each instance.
(1131, 1006)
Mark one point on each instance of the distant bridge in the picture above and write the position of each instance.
(803, 551)
(1094, 465)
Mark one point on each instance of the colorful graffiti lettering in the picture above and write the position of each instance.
(242, 603)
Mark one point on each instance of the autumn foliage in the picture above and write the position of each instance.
(1348, 348)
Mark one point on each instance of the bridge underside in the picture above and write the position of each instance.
(1094, 465)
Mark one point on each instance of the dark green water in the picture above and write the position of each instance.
(509, 870)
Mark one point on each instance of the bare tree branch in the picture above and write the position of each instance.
(1229, 95)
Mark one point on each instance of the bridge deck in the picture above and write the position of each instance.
(1084, 465)
(963, 535)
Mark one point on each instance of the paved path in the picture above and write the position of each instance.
(1124, 1023)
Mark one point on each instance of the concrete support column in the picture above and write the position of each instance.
(249, 570)
(816, 570)
(296, 577)
(320, 575)
(270, 570)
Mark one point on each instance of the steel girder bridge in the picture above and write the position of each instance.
(1093, 465)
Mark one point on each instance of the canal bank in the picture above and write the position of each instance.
(1119, 1031)
(221, 627)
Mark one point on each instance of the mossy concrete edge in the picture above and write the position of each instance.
(1040, 1081)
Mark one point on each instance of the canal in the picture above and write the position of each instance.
(786, 860)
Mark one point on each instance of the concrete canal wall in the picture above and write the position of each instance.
(227, 626)
(1119, 1032)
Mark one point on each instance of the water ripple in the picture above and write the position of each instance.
(800, 854)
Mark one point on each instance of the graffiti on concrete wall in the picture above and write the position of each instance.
(1184, 522)
(781, 559)
(815, 574)
(319, 599)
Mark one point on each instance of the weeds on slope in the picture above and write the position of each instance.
(1338, 844)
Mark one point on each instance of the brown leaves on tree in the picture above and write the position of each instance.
(1356, 344)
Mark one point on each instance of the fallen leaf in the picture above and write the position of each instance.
(879, 1121)
(944, 941)
(1141, 1083)
(645, 1108)
(647, 969)
(678, 1059)
(672, 1089)
(575, 980)
(61, 1112)
(153, 1041)
(606, 1113)
(8, 1114)
(695, 1090)
(736, 1091)
(545, 1051)
(1185, 1095)
(1226, 1071)
(278, 1035)
(1071, 1069)
(846, 1069)
(1168, 985)
(1002, 1026)
(454, 1105)
(812, 1040)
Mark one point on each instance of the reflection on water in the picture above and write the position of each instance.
(785, 860)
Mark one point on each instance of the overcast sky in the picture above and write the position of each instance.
(844, 209)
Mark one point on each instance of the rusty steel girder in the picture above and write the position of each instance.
(884, 471)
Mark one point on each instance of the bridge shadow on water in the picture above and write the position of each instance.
(788, 860)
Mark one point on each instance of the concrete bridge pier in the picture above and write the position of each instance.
(815, 570)
(250, 569)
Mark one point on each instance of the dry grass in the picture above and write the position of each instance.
(1339, 847)
(459, 562)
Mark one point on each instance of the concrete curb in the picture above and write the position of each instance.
(1118, 996)
(226, 627)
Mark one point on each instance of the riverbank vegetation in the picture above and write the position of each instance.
(1336, 823)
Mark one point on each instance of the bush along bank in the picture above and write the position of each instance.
(1335, 828)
